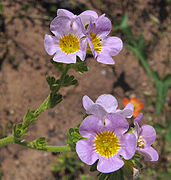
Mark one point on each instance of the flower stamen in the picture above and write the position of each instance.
(106, 144)
(141, 142)
(69, 44)
(96, 41)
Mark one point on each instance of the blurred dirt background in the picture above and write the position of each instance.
(24, 65)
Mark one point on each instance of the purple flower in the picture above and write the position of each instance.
(146, 135)
(106, 142)
(105, 104)
(102, 46)
(67, 42)
(84, 16)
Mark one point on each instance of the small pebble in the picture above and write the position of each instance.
(103, 72)
(12, 112)
(152, 63)
(144, 83)
(17, 163)
(45, 154)
(150, 118)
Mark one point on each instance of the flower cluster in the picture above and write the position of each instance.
(108, 136)
(76, 35)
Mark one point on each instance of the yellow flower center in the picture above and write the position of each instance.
(106, 144)
(141, 142)
(96, 41)
(69, 44)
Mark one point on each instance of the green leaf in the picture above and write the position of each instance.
(155, 76)
(80, 66)
(50, 80)
(168, 135)
(140, 56)
(39, 143)
(158, 127)
(29, 117)
(93, 167)
(65, 80)
(167, 80)
(53, 84)
(103, 176)
(85, 115)
(127, 169)
(137, 47)
(71, 130)
(59, 66)
(161, 90)
(18, 131)
(73, 137)
(160, 99)
(167, 84)
(141, 46)
(124, 21)
(54, 100)
(117, 175)
(52, 8)
(127, 30)
(69, 80)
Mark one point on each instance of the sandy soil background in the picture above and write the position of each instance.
(24, 65)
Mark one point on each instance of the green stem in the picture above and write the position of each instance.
(43, 106)
(63, 76)
(45, 148)
(10, 140)
(58, 148)
(7, 140)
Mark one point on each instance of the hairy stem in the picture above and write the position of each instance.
(58, 148)
(7, 140)
(44, 148)
(11, 139)
(43, 106)
(63, 76)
